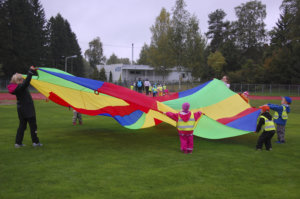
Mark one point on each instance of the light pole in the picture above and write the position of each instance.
(66, 61)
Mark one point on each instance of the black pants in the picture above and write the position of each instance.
(22, 128)
(147, 90)
(140, 90)
(265, 138)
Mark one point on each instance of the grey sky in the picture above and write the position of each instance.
(123, 22)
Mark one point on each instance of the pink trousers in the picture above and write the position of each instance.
(186, 142)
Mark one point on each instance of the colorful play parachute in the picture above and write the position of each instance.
(226, 113)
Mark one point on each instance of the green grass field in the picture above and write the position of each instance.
(102, 159)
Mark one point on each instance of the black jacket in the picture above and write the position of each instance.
(25, 104)
(262, 120)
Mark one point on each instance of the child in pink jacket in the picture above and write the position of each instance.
(186, 121)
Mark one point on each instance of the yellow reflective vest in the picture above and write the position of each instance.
(269, 124)
(284, 114)
(186, 126)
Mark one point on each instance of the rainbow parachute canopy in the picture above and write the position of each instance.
(226, 113)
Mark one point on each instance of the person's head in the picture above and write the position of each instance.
(246, 94)
(286, 100)
(264, 108)
(17, 79)
(225, 79)
(185, 107)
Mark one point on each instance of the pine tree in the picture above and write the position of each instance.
(62, 44)
(110, 76)
(102, 75)
(22, 35)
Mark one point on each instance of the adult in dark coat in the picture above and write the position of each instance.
(25, 107)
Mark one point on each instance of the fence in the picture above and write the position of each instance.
(253, 89)
(267, 89)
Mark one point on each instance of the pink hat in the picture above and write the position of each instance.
(185, 107)
(246, 93)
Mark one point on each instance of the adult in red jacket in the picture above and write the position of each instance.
(186, 122)
(25, 107)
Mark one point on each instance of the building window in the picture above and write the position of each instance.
(137, 72)
(117, 69)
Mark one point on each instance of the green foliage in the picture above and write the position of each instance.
(62, 44)
(95, 53)
(159, 51)
(144, 56)
(217, 29)
(26, 38)
(22, 37)
(102, 159)
(175, 42)
(110, 76)
(88, 70)
(113, 59)
(250, 72)
(216, 61)
(282, 64)
(102, 75)
(250, 26)
(178, 33)
(195, 47)
(120, 79)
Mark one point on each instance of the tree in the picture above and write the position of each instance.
(102, 75)
(87, 69)
(250, 28)
(144, 56)
(95, 53)
(216, 61)
(158, 53)
(113, 59)
(62, 43)
(120, 80)
(22, 35)
(178, 29)
(110, 76)
(124, 61)
(282, 64)
(217, 29)
(195, 47)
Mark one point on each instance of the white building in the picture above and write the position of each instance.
(133, 72)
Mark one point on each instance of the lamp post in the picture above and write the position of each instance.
(66, 61)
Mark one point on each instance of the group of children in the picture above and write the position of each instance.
(267, 123)
(185, 119)
(155, 89)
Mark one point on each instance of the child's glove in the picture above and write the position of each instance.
(33, 68)
(264, 108)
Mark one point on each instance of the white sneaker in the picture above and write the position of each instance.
(19, 145)
(37, 144)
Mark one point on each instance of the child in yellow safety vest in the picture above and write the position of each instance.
(186, 122)
(160, 90)
(281, 116)
(266, 123)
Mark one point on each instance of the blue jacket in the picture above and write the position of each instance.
(279, 109)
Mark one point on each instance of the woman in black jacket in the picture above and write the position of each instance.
(25, 107)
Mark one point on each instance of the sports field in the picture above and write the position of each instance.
(102, 159)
